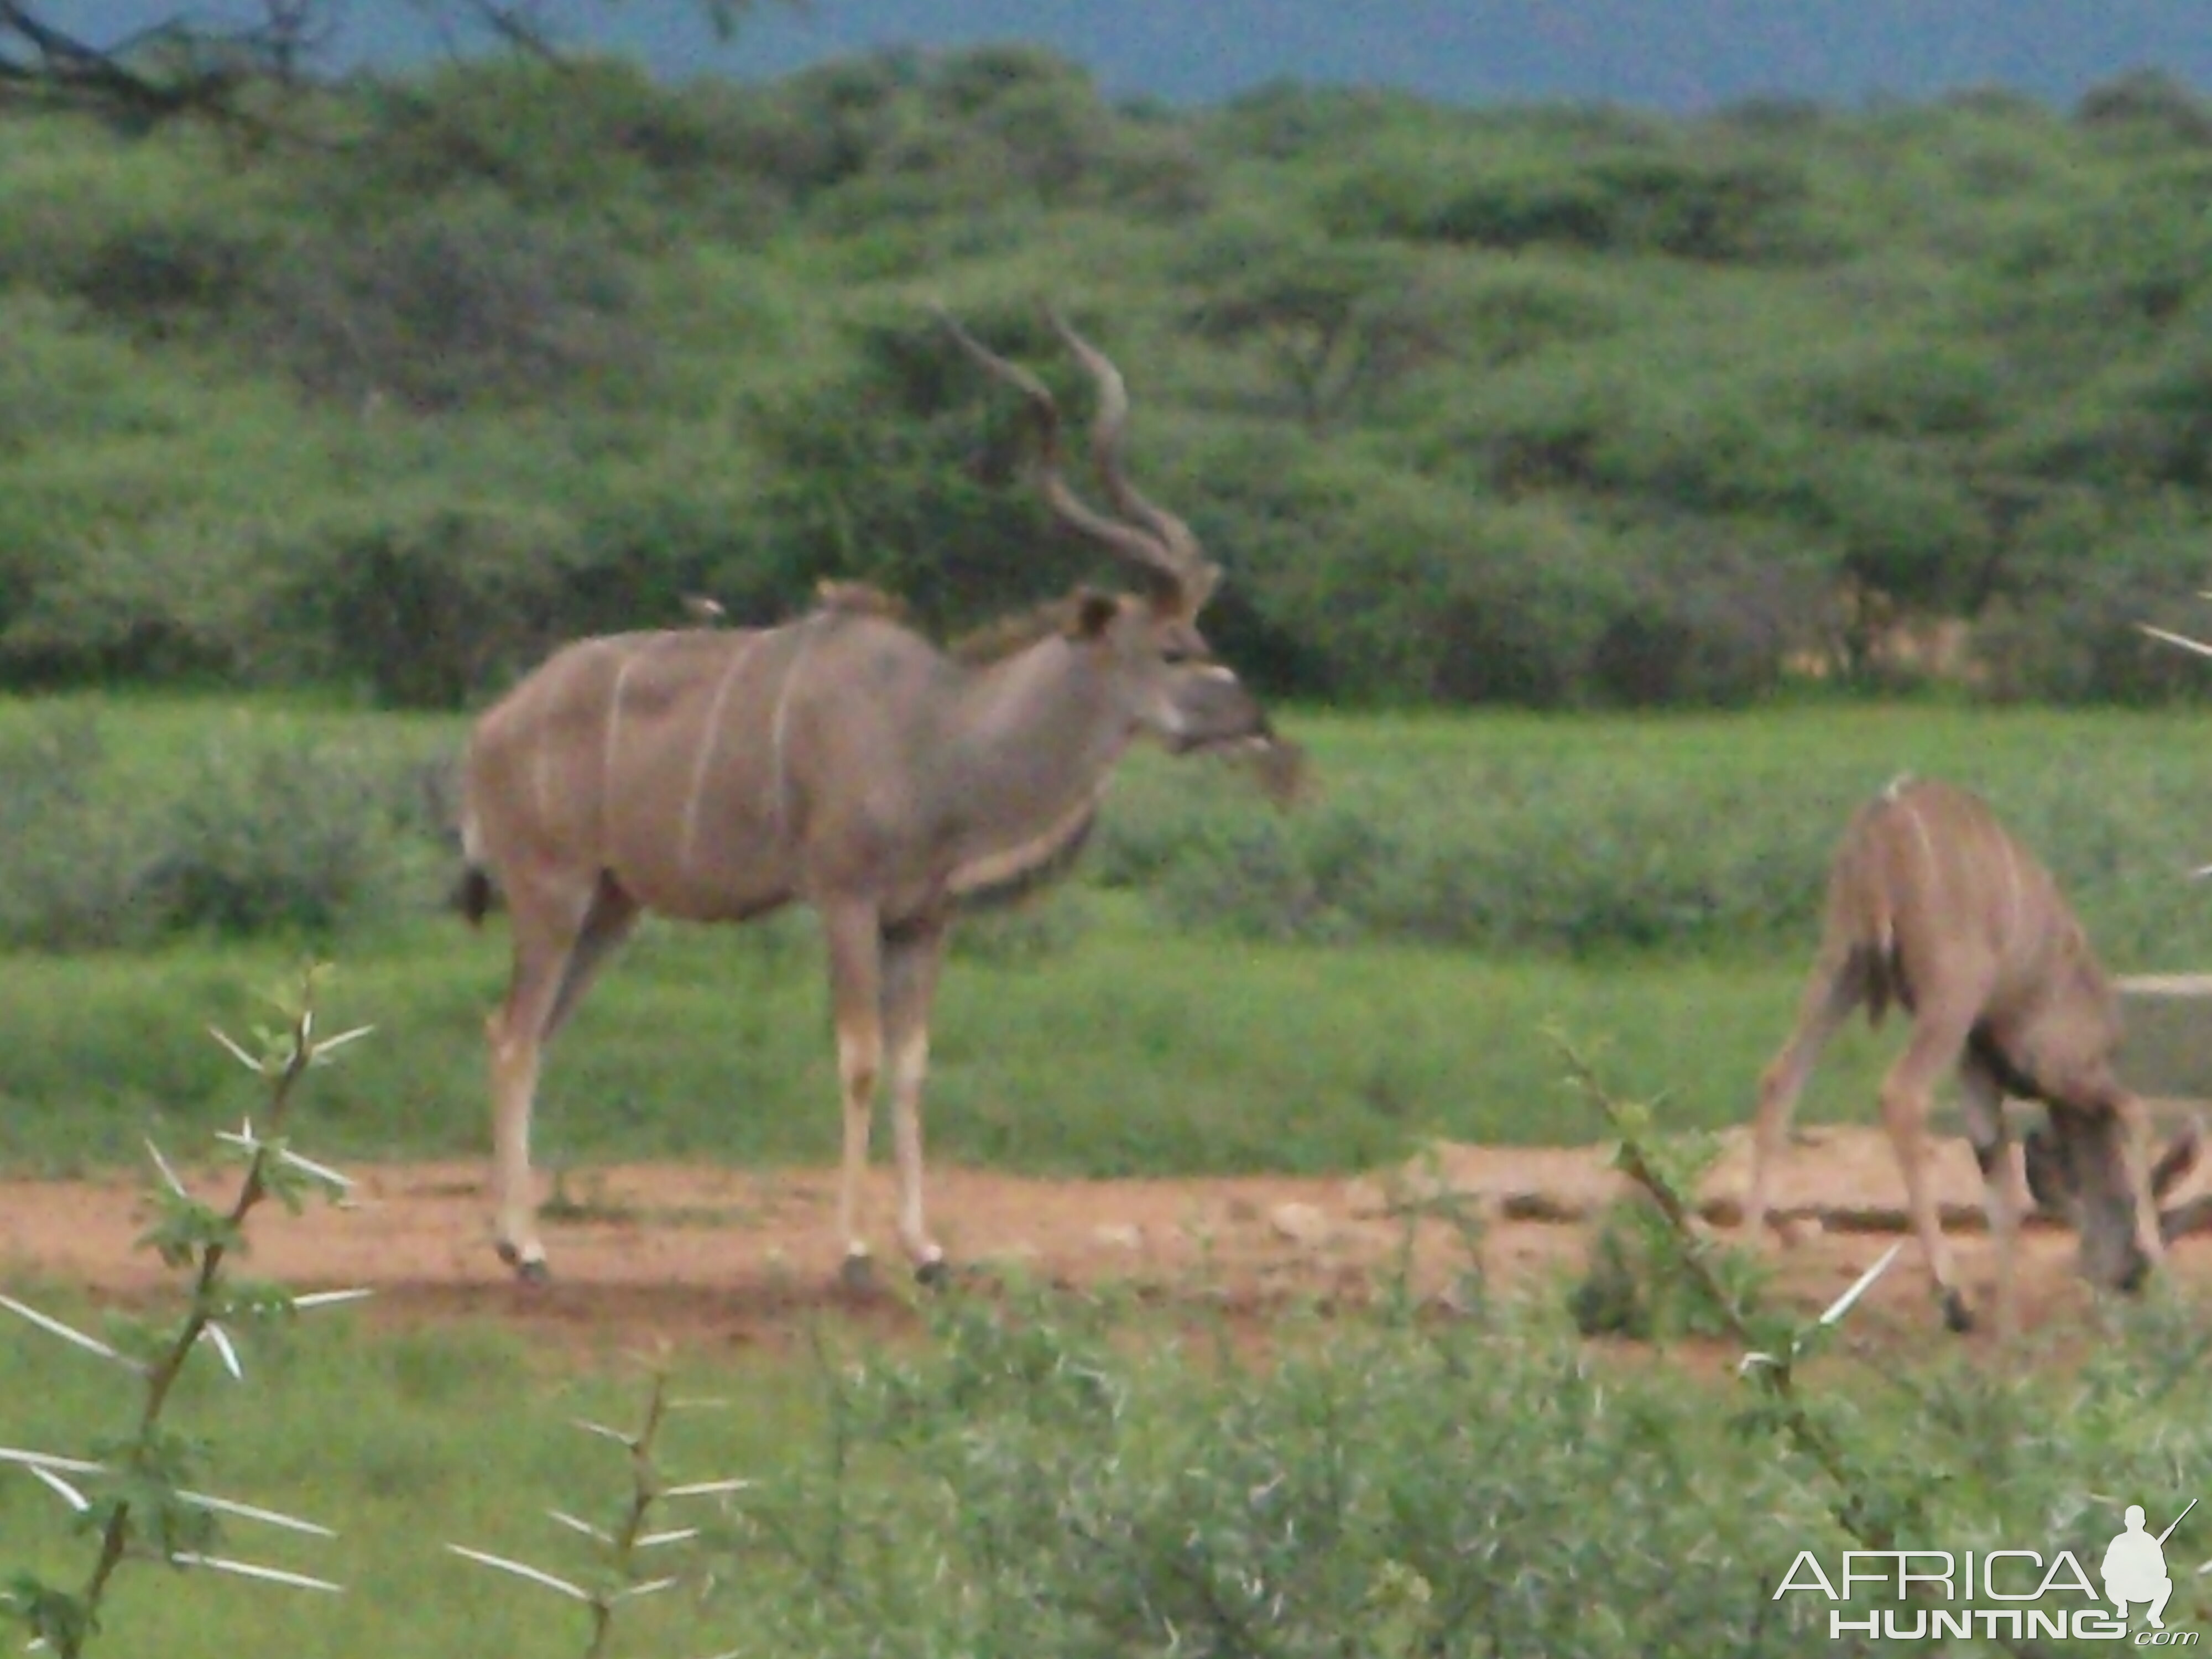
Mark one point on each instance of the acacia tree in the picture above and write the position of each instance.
(1338, 324)
(190, 61)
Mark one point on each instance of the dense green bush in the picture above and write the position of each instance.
(249, 836)
(1590, 853)
(1538, 405)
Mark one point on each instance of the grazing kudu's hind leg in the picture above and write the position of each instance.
(1830, 994)
(911, 956)
(1940, 1030)
(561, 940)
(2005, 1196)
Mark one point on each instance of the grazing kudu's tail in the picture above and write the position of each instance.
(475, 895)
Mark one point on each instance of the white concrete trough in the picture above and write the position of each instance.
(2166, 1056)
(2167, 1053)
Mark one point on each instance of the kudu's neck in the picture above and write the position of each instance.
(1031, 742)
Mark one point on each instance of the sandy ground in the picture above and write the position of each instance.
(732, 1259)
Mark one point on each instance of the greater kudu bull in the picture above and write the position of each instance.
(1933, 905)
(842, 760)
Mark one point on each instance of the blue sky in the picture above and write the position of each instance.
(1677, 54)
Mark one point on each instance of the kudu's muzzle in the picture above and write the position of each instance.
(2076, 1173)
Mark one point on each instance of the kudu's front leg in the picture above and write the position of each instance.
(912, 956)
(2005, 1195)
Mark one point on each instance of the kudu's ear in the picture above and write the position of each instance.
(1093, 614)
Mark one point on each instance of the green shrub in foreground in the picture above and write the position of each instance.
(1486, 1485)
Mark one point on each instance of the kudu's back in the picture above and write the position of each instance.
(1930, 895)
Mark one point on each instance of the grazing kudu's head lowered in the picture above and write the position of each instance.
(1933, 905)
(714, 774)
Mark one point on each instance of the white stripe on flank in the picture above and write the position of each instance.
(607, 758)
(778, 784)
(2011, 894)
(707, 740)
(1926, 846)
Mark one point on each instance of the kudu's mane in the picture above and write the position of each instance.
(996, 640)
(980, 647)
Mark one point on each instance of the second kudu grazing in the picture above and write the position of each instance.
(1933, 905)
(842, 761)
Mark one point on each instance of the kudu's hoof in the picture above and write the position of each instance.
(1955, 1316)
(856, 1275)
(530, 1270)
(933, 1274)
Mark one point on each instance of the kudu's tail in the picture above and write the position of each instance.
(476, 895)
(1861, 926)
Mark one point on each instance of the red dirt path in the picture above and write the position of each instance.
(733, 1258)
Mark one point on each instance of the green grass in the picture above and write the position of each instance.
(1136, 1051)
(403, 1443)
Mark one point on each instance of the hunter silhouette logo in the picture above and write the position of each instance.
(2135, 1567)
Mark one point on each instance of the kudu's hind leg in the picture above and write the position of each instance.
(911, 958)
(1830, 995)
(2005, 1197)
(560, 943)
(854, 934)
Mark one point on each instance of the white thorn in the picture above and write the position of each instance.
(244, 1058)
(250, 1570)
(2181, 639)
(1842, 1304)
(323, 1049)
(215, 1333)
(618, 1435)
(676, 1535)
(255, 1512)
(703, 1488)
(169, 1175)
(69, 1332)
(330, 1298)
(651, 1587)
(584, 1527)
(75, 1499)
(522, 1570)
(38, 1460)
(320, 1171)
